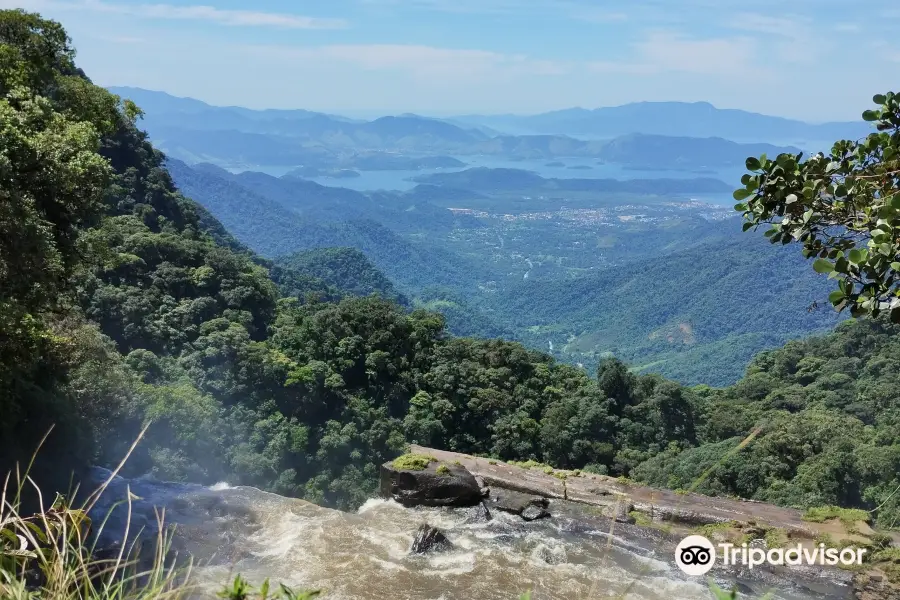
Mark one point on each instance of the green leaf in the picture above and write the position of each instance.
(740, 207)
(879, 99)
(741, 194)
(753, 164)
(836, 296)
(871, 115)
(791, 198)
(822, 266)
(858, 256)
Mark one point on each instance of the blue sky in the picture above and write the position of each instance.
(811, 59)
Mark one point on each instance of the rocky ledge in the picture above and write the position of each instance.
(529, 492)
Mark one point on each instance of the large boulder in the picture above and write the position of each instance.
(430, 539)
(434, 484)
(530, 508)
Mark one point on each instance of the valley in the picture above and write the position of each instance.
(548, 262)
(535, 238)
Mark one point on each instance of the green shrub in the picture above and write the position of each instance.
(640, 518)
(711, 529)
(413, 462)
(443, 470)
(776, 537)
(848, 516)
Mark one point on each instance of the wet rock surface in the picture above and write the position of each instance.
(530, 508)
(666, 517)
(439, 484)
(623, 510)
(874, 586)
(430, 539)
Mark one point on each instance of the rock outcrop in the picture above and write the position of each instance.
(438, 484)
(874, 585)
(530, 508)
(430, 539)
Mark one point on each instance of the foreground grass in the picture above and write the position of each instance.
(52, 555)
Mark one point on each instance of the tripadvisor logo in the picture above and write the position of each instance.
(696, 555)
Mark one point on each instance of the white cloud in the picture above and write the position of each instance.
(609, 66)
(246, 18)
(725, 57)
(779, 26)
(670, 52)
(791, 38)
(423, 62)
(848, 27)
(600, 16)
(580, 10)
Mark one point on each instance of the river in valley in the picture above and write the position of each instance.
(365, 555)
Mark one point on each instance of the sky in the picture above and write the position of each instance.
(815, 60)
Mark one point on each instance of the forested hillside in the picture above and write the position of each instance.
(122, 303)
(698, 316)
(346, 269)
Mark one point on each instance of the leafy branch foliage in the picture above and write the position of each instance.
(844, 207)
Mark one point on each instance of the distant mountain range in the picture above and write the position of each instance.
(647, 135)
(691, 119)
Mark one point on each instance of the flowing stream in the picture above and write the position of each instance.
(365, 555)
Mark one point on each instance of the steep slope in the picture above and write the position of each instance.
(281, 219)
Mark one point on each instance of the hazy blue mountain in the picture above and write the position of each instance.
(194, 131)
(373, 161)
(177, 123)
(669, 152)
(537, 146)
(234, 148)
(155, 104)
(482, 179)
(692, 119)
(316, 204)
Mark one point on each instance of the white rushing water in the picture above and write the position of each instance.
(365, 555)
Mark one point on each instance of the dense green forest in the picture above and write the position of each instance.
(123, 303)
